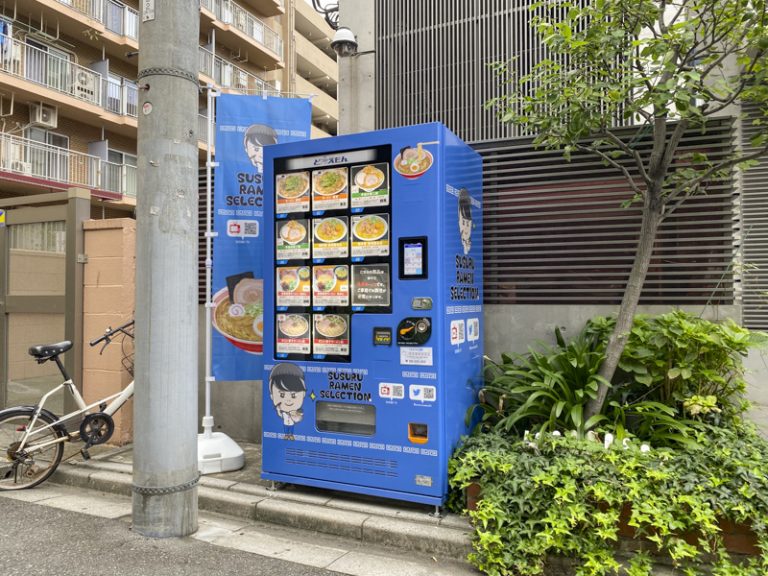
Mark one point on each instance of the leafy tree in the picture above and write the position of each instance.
(664, 66)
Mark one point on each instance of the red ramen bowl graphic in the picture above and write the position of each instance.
(238, 323)
(412, 163)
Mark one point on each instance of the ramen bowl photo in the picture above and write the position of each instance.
(331, 325)
(369, 178)
(413, 162)
(325, 279)
(370, 228)
(330, 230)
(293, 232)
(242, 324)
(329, 182)
(293, 325)
(289, 280)
(291, 186)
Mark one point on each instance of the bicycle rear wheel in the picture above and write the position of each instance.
(38, 459)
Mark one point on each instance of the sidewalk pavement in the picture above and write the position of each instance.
(243, 494)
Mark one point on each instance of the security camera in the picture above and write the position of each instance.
(344, 42)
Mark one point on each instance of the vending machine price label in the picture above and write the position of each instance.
(292, 241)
(370, 235)
(292, 192)
(330, 189)
(293, 334)
(330, 285)
(331, 237)
(370, 185)
(331, 334)
(293, 286)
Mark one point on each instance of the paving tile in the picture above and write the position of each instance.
(92, 503)
(265, 544)
(362, 564)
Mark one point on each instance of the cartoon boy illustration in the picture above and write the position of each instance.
(257, 136)
(465, 219)
(287, 391)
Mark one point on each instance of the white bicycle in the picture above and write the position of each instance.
(32, 438)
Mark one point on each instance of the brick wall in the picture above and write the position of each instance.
(109, 295)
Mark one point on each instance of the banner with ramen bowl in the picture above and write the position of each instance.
(244, 125)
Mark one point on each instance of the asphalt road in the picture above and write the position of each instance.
(42, 541)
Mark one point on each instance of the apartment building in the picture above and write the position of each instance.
(68, 120)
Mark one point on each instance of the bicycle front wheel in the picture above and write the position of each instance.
(37, 460)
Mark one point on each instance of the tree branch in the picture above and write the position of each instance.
(730, 163)
(630, 152)
(627, 175)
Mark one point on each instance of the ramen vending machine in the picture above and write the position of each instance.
(372, 310)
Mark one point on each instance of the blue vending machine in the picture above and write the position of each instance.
(373, 318)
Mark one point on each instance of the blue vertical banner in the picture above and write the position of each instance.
(244, 125)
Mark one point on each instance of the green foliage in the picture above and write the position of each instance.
(546, 389)
(637, 60)
(565, 497)
(677, 374)
(684, 362)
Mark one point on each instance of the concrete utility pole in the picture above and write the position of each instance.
(165, 408)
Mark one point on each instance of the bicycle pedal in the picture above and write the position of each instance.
(84, 453)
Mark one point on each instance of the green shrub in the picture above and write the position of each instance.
(546, 389)
(682, 361)
(678, 374)
(563, 497)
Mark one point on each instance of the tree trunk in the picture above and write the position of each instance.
(624, 320)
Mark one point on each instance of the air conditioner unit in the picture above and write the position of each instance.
(23, 167)
(43, 115)
(85, 85)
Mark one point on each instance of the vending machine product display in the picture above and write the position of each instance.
(373, 312)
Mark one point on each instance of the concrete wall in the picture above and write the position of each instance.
(25, 330)
(109, 295)
(36, 273)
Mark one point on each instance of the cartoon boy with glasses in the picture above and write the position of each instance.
(287, 391)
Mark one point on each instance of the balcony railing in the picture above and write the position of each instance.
(121, 97)
(54, 72)
(116, 16)
(38, 160)
(119, 178)
(227, 75)
(230, 13)
(202, 129)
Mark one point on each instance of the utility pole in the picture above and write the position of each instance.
(165, 407)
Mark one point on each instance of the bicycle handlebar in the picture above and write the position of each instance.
(111, 331)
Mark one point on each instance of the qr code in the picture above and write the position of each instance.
(251, 228)
(398, 391)
(429, 393)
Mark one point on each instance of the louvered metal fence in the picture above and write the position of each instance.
(755, 214)
(556, 231)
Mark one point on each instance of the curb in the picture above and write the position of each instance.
(370, 523)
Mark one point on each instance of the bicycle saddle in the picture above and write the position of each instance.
(45, 351)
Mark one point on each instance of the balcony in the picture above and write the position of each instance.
(33, 64)
(267, 7)
(119, 178)
(202, 130)
(121, 97)
(115, 16)
(28, 159)
(234, 16)
(228, 76)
